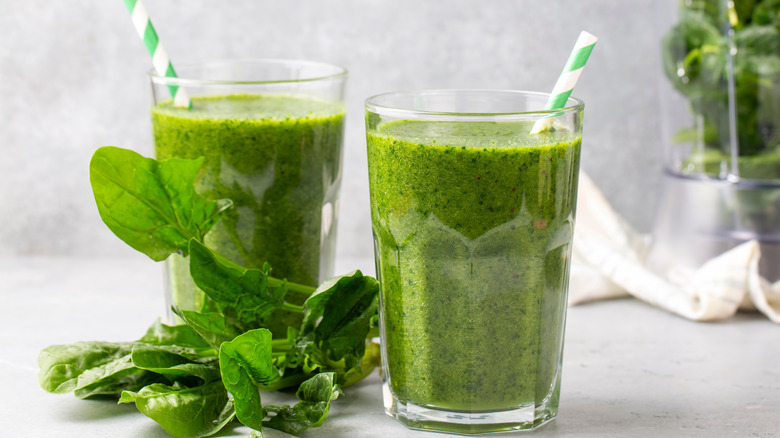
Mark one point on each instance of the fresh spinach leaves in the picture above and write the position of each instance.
(151, 205)
(696, 57)
(184, 412)
(247, 297)
(315, 396)
(337, 319)
(247, 365)
(194, 379)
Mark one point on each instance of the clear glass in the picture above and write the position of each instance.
(270, 132)
(721, 133)
(473, 219)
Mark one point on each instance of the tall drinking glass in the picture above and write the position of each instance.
(473, 219)
(271, 134)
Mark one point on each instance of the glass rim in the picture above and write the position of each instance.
(338, 72)
(573, 104)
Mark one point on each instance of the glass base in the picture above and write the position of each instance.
(524, 418)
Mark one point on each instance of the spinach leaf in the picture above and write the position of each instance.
(151, 205)
(175, 362)
(114, 385)
(101, 368)
(694, 55)
(315, 395)
(337, 319)
(767, 12)
(213, 328)
(181, 335)
(245, 296)
(106, 368)
(184, 412)
(757, 40)
(247, 365)
(66, 368)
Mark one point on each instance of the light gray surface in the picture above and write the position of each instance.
(73, 79)
(629, 370)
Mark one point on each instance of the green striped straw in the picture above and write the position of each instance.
(568, 78)
(160, 59)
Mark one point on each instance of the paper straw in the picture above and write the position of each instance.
(162, 64)
(568, 78)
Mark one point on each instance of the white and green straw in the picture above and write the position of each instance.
(568, 78)
(160, 60)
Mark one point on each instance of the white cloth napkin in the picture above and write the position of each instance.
(608, 259)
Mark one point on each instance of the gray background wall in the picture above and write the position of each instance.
(72, 78)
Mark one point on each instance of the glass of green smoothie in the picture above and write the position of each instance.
(473, 219)
(271, 133)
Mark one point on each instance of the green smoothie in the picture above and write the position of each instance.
(278, 158)
(473, 224)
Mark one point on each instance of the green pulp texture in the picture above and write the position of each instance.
(473, 224)
(278, 158)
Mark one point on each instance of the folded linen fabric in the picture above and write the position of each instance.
(608, 262)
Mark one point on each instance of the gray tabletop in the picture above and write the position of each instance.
(630, 370)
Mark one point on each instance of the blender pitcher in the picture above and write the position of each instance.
(720, 113)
